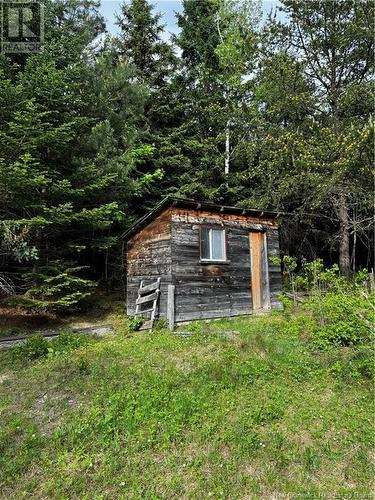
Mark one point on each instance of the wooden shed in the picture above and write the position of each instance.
(209, 260)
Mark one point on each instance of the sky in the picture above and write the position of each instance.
(166, 7)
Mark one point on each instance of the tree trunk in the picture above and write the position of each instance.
(344, 252)
(354, 249)
(227, 149)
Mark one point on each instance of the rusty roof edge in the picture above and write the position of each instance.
(198, 205)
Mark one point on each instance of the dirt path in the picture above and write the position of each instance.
(6, 342)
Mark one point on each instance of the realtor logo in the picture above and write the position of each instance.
(22, 26)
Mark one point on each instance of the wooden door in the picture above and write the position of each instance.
(259, 271)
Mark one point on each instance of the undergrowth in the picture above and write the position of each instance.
(39, 346)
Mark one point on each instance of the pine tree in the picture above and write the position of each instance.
(310, 151)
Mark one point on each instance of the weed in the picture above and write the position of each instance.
(135, 324)
(65, 343)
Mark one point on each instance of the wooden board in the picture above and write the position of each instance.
(266, 298)
(256, 245)
(171, 307)
(147, 298)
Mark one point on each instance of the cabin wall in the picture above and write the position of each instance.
(149, 257)
(215, 290)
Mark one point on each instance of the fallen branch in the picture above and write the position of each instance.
(6, 286)
(293, 297)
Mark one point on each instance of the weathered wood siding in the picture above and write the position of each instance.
(149, 256)
(214, 290)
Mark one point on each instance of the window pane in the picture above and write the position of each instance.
(205, 243)
(218, 244)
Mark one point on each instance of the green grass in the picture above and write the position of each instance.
(149, 416)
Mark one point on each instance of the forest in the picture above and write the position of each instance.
(235, 109)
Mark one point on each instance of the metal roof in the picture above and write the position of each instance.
(194, 205)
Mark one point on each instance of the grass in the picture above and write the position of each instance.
(253, 414)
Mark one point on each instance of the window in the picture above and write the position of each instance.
(213, 244)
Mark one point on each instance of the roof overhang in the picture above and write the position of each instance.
(195, 205)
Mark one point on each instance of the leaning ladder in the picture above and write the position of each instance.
(147, 294)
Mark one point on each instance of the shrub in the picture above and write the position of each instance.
(287, 304)
(39, 347)
(355, 363)
(341, 318)
(340, 310)
(313, 277)
(66, 343)
(35, 347)
(160, 325)
(298, 325)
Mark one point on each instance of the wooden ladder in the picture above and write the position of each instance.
(146, 294)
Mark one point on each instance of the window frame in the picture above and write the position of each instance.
(210, 228)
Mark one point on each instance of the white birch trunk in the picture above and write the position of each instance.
(227, 149)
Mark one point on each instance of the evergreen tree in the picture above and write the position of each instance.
(141, 43)
(92, 134)
(68, 150)
(200, 99)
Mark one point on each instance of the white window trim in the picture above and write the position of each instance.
(210, 239)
